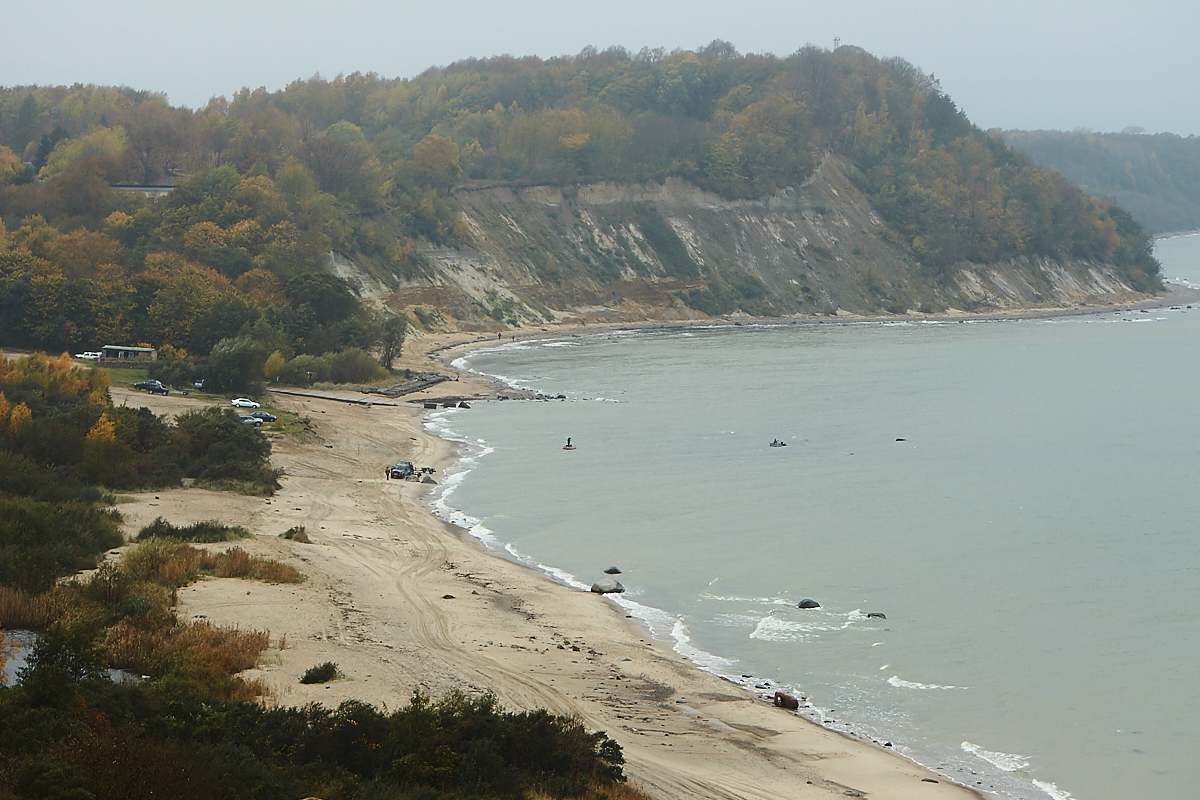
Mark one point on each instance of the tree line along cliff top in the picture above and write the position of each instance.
(265, 183)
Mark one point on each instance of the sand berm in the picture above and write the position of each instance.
(401, 600)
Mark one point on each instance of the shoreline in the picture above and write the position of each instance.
(448, 353)
(441, 349)
(402, 600)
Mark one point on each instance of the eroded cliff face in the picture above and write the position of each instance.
(672, 251)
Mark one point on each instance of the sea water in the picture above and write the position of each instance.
(1018, 499)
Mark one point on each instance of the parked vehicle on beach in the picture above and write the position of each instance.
(255, 421)
(152, 386)
(400, 470)
(243, 402)
(263, 415)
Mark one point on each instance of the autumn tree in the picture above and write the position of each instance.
(11, 168)
(393, 329)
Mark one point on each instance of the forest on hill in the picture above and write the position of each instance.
(1156, 177)
(267, 184)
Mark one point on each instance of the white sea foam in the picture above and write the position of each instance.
(899, 683)
(701, 658)
(774, 601)
(1009, 762)
(1052, 790)
(734, 620)
(777, 628)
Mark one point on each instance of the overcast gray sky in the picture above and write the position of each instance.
(1101, 64)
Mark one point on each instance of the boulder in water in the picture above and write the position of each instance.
(808, 602)
(612, 571)
(607, 586)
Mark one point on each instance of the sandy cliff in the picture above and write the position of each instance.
(627, 252)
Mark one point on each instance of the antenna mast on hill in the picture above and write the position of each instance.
(837, 40)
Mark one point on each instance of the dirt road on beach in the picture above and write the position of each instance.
(402, 601)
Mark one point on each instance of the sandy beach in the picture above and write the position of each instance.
(402, 601)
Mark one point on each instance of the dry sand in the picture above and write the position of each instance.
(402, 601)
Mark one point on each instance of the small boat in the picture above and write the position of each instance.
(778, 443)
(568, 445)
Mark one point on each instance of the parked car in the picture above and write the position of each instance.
(152, 386)
(401, 469)
(89, 356)
(264, 416)
(255, 421)
(242, 402)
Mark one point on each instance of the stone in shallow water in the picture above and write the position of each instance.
(607, 586)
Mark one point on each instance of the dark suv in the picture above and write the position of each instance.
(152, 386)
(401, 469)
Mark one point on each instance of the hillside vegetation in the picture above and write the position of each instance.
(374, 174)
(1156, 177)
(183, 722)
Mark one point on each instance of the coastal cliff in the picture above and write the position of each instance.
(669, 250)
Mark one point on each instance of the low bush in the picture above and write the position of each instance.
(321, 673)
(297, 534)
(70, 735)
(204, 531)
(237, 563)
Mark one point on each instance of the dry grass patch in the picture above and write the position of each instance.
(175, 564)
(197, 650)
(20, 610)
(597, 790)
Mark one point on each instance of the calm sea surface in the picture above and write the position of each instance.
(1019, 499)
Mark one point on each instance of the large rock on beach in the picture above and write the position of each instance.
(607, 586)
(808, 602)
(785, 700)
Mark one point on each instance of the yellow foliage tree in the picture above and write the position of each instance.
(100, 143)
(56, 375)
(262, 287)
(104, 432)
(204, 235)
(81, 253)
(275, 364)
(248, 235)
(17, 419)
(11, 167)
(435, 161)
